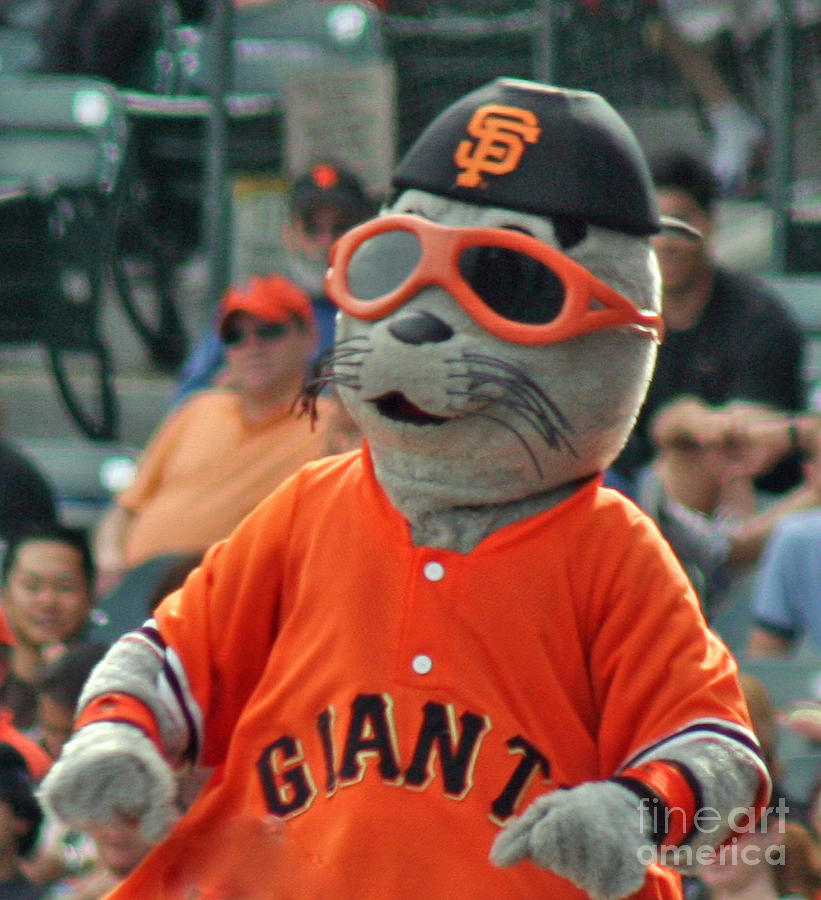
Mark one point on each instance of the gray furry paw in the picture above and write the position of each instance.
(108, 770)
(593, 835)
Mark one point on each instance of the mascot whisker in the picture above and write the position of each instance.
(451, 663)
(337, 365)
(522, 395)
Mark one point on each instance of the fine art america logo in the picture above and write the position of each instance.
(752, 841)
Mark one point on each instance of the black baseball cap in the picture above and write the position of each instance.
(326, 184)
(536, 148)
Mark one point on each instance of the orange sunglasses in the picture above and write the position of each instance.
(510, 283)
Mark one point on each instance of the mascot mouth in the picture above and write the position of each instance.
(396, 406)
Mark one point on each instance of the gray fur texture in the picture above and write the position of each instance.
(134, 666)
(108, 770)
(522, 425)
(592, 835)
(111, 769)
(598, 834)
(728, 779)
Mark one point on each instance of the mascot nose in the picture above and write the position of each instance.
(420, 328)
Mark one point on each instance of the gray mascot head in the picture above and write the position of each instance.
(499, 319)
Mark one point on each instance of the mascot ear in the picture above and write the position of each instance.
(548, 144)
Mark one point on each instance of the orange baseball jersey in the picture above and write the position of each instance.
(376, 711)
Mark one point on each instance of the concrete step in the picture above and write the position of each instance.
(32, 408)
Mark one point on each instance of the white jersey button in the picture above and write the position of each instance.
(422, 664)
(434, 571)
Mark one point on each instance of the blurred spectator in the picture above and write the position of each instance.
(36, 758)
(705, 39)
(120, 847)
(730, 371)
(715, 549)
(765, 720)
(47, 578)
(213, 459)
(778, 858)
(323, 203)
(765, 726)
(786, 603)
(800, 876)
(58, 690)
(63, 854)
(686, 34)
(26, 497)
(94, 861)
(20, 818)
(732, 349)
(780, 862)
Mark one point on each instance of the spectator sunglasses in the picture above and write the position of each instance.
(510, 283)
(234, 335)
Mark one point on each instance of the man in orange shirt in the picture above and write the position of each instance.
(213, 459)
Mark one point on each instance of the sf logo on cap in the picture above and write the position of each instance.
(501, 133)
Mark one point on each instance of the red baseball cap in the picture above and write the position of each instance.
(272, 298)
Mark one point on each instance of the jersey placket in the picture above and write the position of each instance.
(424, 660)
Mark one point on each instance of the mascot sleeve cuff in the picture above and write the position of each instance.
(124, 708)
(670, 796)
